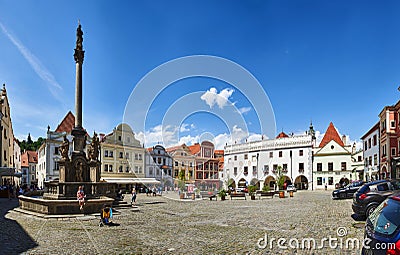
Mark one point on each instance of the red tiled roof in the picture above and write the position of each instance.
(67, 124)
(219, 152)
(150, 149)
(331, 134)
(28, 157)
(282, 135)
(194, 149)
(174, 148)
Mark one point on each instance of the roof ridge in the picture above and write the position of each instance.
(331, 134)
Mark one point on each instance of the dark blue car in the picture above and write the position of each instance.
(382, 229)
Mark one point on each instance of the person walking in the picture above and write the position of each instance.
(80, 195)
(133, 200)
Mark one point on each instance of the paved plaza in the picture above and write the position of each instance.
(163, 225)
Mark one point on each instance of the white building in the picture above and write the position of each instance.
(333, 161)
(159, 165)
(371, 153)
(17, 159)
(256, 162)
(48, 153)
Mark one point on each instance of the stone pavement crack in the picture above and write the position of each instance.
(39, 231)
(89, 236)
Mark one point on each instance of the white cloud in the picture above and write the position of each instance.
(238, 135)
(186, 127)
(157, 135)
(244, 110)
(35, 63)
(212, 97)
(189, 140)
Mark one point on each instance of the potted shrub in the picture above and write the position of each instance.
(266, 188)
(197, 192)
(222, 194)
(280, 182)
(252, 191)
(181, 184)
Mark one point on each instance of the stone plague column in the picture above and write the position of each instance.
(78, 132)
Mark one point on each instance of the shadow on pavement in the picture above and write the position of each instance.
(13, 238)
(358, 217)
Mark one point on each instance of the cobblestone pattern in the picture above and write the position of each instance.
(198, 227)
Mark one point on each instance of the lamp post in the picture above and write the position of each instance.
(258, 154)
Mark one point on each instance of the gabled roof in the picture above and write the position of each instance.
(282, 135)
(194, 149)
(28, 157)
(331, 134)
(174, 148)
(67, 124)
(374, 128)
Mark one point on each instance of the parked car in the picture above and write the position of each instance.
(383, 229)
(291, 187)
(371, 194)
(242, 190)
(348, 191)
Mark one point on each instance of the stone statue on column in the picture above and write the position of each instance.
(64, 148)
(94, 148)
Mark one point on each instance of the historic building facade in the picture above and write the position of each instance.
(183, 161)
(7, 137)
(29, 162)
(206, 166)
(48, 152)
(389, 141)
(122, 155)
(256, 163)
(198, 163)
(371, 154)
(17, 160)
(159, 165)
(335, 163)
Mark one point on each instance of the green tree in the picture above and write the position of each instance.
(181, 180)
(280, 179)
(31, 145)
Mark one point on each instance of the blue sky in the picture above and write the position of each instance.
(322, 60)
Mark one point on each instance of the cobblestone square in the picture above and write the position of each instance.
(162, 225)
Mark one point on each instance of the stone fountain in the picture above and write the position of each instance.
(80, 169)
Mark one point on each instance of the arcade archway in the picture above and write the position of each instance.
(255, 182)
(270, 181)
(301, 182)
(242, 183)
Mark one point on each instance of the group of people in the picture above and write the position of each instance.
(15, 190)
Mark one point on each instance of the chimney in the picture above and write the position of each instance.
(344, 140)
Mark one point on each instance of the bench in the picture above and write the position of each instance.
(213, 196)
(208, 194)
(266, 194)
(241, 194)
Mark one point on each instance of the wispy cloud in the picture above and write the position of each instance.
(35, 63)
(244, 110)
(186, 127)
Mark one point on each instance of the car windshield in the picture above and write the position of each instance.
(386, 217)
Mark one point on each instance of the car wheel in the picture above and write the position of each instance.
(342, 196)
(370, 209)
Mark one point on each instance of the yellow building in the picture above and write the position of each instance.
(123, 158)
